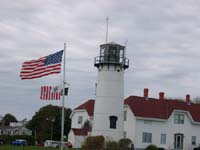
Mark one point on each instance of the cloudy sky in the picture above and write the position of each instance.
(163, 47)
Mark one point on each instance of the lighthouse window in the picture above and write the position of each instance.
(112, 53)
(113, 122)
(121, 53)
(111, 48)
(103, 51)
(125, 115)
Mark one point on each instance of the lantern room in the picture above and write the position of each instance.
(112, 54)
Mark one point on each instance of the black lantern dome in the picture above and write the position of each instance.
(112, 54)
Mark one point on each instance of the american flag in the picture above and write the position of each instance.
(50, 93)
(43, 66)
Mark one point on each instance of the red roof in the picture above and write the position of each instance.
(81, 132)
(88, 106)
(151, 108)
(154, 108)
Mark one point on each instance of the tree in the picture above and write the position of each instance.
(41, 124)
(8, 118)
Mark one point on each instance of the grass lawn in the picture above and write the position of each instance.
(11, 147)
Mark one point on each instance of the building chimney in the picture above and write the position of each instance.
(146, 92)
(161, 96)
(188, 99)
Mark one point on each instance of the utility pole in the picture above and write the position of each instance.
(52, 120)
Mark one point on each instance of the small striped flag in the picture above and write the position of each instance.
(50, 93)
(43, 66)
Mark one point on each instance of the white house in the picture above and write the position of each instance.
(79, 116)
(170, 124)
(15, 128)
(7, 130)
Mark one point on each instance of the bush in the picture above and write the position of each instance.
(93, 142)
(8, 138)
(112, 145)
(151, 147)
(124, 143)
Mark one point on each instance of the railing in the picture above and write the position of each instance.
(99, 60)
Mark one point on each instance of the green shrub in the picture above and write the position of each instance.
(93, 142)
(151, 147)
(8, 138)
(124, 143)
(112, 145)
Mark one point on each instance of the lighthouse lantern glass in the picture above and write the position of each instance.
(111, 53)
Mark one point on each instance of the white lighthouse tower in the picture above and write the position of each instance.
(108, 110)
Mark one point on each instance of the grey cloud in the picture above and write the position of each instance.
(163, 47)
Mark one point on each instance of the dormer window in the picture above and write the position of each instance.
(178, 118)
(113, 122)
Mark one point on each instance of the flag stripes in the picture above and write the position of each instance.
(50, 93)
(39, 72)
(37, 68)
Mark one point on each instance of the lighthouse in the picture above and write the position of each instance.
(108, 109)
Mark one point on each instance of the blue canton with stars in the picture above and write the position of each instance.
(54, 58)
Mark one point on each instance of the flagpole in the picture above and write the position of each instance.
(63, 101)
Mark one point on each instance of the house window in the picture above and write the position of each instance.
(124, 134)
(80, 119)
(125, 115)
(163, 139)
(193, 142)
(146, 137)
(179, 118)
(113, 122)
